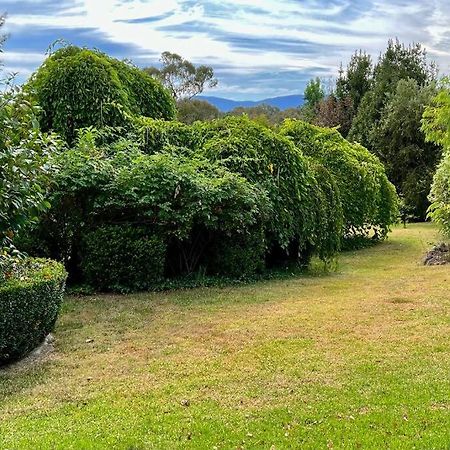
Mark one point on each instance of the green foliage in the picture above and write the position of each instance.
(436, 117)
(329, 216)
(436, 126)
(29, 304)
(398, 62)
(314, 92)
(116, 257)
(186, 203)
(239, 256)
(79, 88)
(154, 136)
(189, 111)
(181, 77)
(440, 195)
(369, 201)
(388, 121)
(409, 160)
(272, 161)
(356, 80)
(267, 115)
(24, 168)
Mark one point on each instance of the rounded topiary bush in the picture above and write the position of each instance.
(77, 87)
(30, 300)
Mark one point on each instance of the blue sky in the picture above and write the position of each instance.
(258, 48)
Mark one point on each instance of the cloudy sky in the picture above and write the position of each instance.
(258, 48)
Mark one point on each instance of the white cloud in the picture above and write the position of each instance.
(327, 31)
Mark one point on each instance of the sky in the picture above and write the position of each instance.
(258, 48)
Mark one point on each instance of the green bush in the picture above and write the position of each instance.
(238, 255)
(436, 126)
(29, 304)
(369, 200)
(79, 88)
(190, 202)
(25, 168)
(273, 162)
(439, 210)
(155, 136)
(116, 257)
(328, 221)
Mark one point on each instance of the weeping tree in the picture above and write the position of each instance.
(77, 87)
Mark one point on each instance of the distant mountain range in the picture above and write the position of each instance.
(225, 105)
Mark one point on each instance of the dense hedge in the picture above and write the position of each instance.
(439, 210)
(101, 196)
(369, 200)
(29, 304)
(272, 161)
(436, 126)
(229, 198)
(77, 87)
(117, 257)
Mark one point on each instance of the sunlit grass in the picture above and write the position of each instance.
(358, 358)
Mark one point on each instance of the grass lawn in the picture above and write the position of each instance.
(359, 358)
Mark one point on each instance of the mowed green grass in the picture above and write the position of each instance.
(353, 359)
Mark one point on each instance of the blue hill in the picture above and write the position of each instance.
(226, 105)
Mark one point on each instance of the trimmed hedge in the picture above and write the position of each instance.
(29, 305)
(120, 257)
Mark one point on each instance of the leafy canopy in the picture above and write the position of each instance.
(77, 88)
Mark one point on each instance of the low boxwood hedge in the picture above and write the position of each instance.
(30, 300)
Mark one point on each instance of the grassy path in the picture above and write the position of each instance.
(355, 359)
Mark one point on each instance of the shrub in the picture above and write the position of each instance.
(25, 169)
(238, 255)
(29, 304)
(79, 88)
(436, 126)
(369, 200)
(328, 221)
(115, 257)
(439, 210)
(155, 136)
(273, 162)
(188, 202)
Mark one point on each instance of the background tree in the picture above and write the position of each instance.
(191, 110)
(314, 92)
(436, 126)
(398, 62)
(388, 121)
(181, 77)
(410, 161)
(335, 112)
(356, 80)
